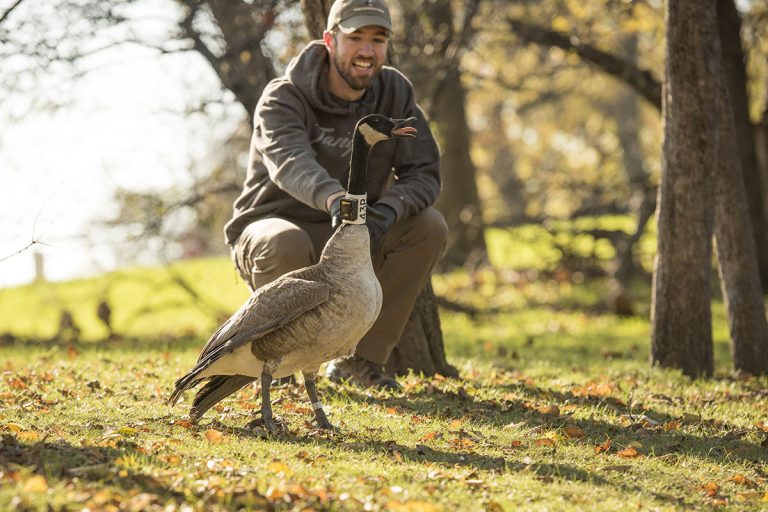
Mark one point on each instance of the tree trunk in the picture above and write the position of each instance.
(736, 253)
(459, 201)
(680, 312)
(315, 16)
(729, 25)
(642, 199)
(421, 347)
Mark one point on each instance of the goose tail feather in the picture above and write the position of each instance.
(215, 390)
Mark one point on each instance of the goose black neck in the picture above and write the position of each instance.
(358, 165)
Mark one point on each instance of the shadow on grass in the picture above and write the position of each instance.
(726, 444)
(98, 464)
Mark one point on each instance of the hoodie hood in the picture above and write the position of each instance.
(310, 69)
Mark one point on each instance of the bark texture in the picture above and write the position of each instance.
(680, 311)
(421, 347)
(736, 248)
(729, 25)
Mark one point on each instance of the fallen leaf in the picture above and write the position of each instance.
(14, 427)
(28, 436)
(17, 383)
(37, 483)
(214, 436)
(710, 488)
(629, 453)
(183, 423)
(551, 410)
(573, 432)
(278, 467)
(544, 441)
(455, 424)
(602, 448)
(740, 479)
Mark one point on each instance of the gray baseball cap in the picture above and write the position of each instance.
(350, 15)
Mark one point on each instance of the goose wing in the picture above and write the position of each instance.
(268, 309)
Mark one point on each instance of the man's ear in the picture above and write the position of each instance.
(329, 40)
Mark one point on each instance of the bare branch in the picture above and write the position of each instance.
(640, 79)
(9, 10)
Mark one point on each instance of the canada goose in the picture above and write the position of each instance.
(306, 317)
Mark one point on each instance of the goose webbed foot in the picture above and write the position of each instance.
(320, 418)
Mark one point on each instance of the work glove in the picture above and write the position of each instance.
(379, 219)
(336, 212)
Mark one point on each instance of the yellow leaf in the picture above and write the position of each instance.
(127, 431)
(391, 410)
(14, 427)
(214, 436)
(37, 483)
(277, 466)
(710, 488)
(741, 480)
(454, 424)
(28, 436)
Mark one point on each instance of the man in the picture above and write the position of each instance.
(299, 159)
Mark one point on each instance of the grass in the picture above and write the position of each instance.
(556, 409)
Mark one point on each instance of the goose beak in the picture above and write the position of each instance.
(400, 130)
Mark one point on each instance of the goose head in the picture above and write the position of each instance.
(369, 131)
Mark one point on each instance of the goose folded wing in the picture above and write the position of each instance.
(268, 309)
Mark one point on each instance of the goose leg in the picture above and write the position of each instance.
(311, 387)
(266, 420)
(266, 405)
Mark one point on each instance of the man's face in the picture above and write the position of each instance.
(358, 56)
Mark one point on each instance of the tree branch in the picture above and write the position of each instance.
(640, 79)
(9, 10)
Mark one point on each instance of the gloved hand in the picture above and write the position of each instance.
(336, 212)
(379, 219)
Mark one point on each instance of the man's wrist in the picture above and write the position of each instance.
(331, 198)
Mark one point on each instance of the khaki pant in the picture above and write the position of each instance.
(269, 248)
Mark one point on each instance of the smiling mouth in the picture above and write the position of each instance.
(365, 65)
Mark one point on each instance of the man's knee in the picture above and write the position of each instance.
(429, 224)
(272, 247)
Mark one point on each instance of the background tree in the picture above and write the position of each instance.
(681, 316)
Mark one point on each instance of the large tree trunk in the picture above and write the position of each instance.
(736, 254)
(421, 347)
(680, 311)
(729, 24)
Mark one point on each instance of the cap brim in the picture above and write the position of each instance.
(355, 22)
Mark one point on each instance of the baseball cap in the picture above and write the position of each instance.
(350, 15)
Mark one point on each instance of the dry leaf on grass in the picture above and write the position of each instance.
(629, 453)
(214, 436)
(602, 448)
(572, 432)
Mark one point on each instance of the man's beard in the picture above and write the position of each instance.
(356, 83)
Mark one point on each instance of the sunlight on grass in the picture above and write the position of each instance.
(557, 407)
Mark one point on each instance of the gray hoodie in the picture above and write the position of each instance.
(302, 139)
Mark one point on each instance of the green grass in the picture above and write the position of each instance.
(556, 409)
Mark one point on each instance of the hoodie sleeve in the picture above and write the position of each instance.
(417, 166)
(281, 137)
